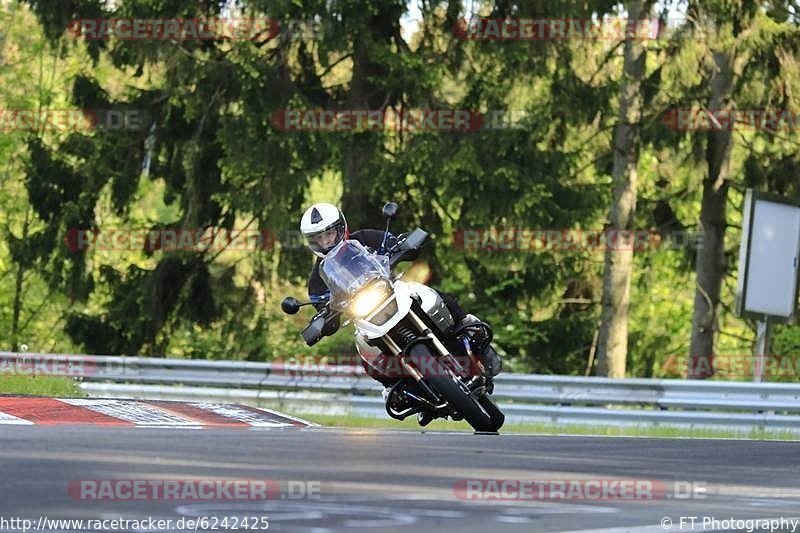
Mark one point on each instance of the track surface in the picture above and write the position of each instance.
(392, 480)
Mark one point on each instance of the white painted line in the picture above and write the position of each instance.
(284, 415)
(133, 411)
(11, 419)
(241, 414)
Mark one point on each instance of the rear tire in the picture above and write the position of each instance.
(443, 382)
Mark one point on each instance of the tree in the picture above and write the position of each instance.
(612, 346)
(742, 34)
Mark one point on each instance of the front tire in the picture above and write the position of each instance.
(444, 383)
(498, 418)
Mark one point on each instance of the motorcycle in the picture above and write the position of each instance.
(404, 330)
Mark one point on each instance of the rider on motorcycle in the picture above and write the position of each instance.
(324, 226)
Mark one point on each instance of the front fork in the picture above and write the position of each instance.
(443, 352)
(473, 385)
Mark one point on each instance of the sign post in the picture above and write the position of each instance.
(762, 346)
(768, 267)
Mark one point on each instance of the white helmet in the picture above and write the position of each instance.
(324, 226)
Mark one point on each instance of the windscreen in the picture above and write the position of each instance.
(348, 267)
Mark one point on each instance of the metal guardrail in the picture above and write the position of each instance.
(348, 390)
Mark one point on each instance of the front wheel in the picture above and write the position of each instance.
(498, 418)
(449, 386)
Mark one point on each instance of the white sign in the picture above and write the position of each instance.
(768, 258)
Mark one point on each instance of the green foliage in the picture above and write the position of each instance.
(209, 154)
(40, 386)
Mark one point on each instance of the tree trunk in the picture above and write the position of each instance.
(710, 265)
(612, 346)
(366, 92)
(19, 282)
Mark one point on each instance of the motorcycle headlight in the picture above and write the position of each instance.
(368, 298)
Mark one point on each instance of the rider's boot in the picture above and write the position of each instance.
(489, 356)
(424, 418)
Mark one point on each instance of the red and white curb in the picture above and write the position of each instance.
(139, 413)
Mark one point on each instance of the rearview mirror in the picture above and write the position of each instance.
(390, 209)
(290, 305)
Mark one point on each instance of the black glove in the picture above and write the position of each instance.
(391, 240)
(331, 326)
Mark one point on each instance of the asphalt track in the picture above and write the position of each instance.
(380, 480)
